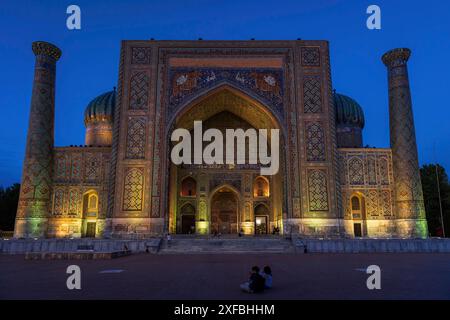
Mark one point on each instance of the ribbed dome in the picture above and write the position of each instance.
(101, 108)
(348, 111)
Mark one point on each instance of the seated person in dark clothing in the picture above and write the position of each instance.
(267, 275)
(255, 283)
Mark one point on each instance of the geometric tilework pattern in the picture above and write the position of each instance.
(384, 170)
(133, 189)
(385, 201)
(315, 142)
(67, 198)
(155, 207)
(60, 170)
(371, 171)
(92, 166)
(35, 194)
(355, 171)
(136, 139)
(76, 166)
(409, 197)
(372, 207)
(74, 200)
(139, 85)
(58, 208)
(368, 175)
(312, 95)
(318, 190)
(310, 56)
(140, 55)
(406, 169)
(378, 203)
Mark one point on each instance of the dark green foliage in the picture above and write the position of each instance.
(9, 199)
(431, 197)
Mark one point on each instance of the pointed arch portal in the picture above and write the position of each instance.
(224, 211)
(224, 193)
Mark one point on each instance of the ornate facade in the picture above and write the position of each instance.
(123, 184)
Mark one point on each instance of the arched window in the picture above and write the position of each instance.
(188, 187)
(90, 214)
(261, 187)
(92, 202)
(356, 204)
(357, 207)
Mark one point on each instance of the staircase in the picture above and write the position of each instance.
(226, 244)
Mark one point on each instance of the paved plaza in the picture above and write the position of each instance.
(215, 276)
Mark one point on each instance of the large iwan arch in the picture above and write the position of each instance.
(224, 107)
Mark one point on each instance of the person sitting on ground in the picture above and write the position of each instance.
(267, 275)
(255, 283)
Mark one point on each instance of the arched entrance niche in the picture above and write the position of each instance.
(188, 187)
(188, 219)
(224, 107)
(90, 214)
(262, 216)
(358, 215)
(224, 204)
(261, 187)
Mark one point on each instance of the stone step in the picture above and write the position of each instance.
(227, 245)
(76, 255)
(373, 245)
(74, 245)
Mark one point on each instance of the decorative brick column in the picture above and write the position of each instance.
(410, 211)
(35, 191)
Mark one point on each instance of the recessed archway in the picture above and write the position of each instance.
(261, 187)
(358, 214)
(224, 107)
(188, 187)
(261, 213)
(188, 219)
(225, 97)
(90, 214)
(224, 205)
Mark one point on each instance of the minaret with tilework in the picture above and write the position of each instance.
(410, 212)
(35, 191)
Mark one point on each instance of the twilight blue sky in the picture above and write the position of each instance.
(89, 64)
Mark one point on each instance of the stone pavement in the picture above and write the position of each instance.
(213, 276)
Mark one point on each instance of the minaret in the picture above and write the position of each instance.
(410, 211)
(35, 191)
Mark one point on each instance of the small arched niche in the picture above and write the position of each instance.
(188, 187)
(261, 187)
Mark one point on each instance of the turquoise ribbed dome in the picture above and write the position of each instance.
(348, 111)
(101, 108)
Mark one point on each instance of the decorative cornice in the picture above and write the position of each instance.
(46, 48)
(396, 57)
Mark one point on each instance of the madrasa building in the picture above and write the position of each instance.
(122, 182)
